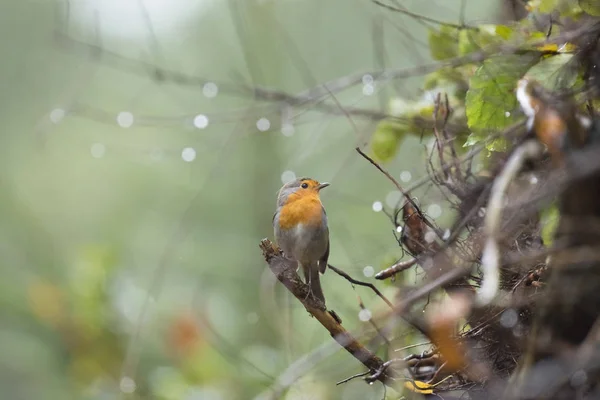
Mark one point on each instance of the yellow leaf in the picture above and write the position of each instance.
(419, 387)
(555, 48)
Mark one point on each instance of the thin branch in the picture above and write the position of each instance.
(421, 17)
(348, 379)
(285, 271)
(395, 182)
(360, 283)
(396, 268)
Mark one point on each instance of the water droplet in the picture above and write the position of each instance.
(98, 150)
(201, 121)
(434, 211)
(507, 114)
(377, 206)
(446, 235)
(210, 90)
(364, 315)
(188, 154)
(287, 176)
(57, 115)
(399, 229)
(263, 124)
(367, 79)
(125, 119)
(405, 176)
(368, 89)
(368, 271)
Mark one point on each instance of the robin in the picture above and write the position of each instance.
(301, 231)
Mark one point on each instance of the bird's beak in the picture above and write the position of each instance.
(322, 185)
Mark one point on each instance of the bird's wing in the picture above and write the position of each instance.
(325, 258)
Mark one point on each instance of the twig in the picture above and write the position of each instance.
(414, 321)
(360, 283)
(373, 324)
(395, 182)
(285, 271)
(348, 379)
(422, 17)
(396, 268)
(382, 370)
(490, 258)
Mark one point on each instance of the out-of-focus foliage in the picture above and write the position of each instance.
(482, 93)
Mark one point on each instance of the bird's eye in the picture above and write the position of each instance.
(304, 185)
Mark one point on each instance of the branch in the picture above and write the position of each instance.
(285, 271)
(421, 17)
(490, 258)
(360, 283)
(396, 268)
(395, 182)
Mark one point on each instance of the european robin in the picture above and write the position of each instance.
(301, 230)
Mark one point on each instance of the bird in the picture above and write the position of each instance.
(301, 230)
(554, 121)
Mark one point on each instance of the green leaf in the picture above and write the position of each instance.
(470, 40)
(504, 31)
(591, 7)
(467, 42)
(474, 138)
(499, 144)
(543, 6)
(386, 139)
(549, 72)
(443, 44)
(490, 99)
(549, 222)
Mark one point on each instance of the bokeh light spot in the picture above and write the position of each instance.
(127, 385)
(405, 176)
(364, 315)
(188, 154)
(393, 198)
(434, 211)
(287, 176)
(125, 119)
(377, 206)
(98, 150)
(263, 124)
(57, 115)
(201, 121)
(288, 130)
(210, 90)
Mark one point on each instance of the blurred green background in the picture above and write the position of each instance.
(133, 205)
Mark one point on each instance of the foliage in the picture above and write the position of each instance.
(482, 92)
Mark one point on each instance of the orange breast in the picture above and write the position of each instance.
(305, 209)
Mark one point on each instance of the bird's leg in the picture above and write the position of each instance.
(307, 280)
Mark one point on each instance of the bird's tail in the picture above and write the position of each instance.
(313, 280)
